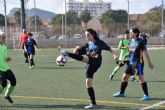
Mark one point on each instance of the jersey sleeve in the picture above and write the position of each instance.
(104, 46)
(34, 42)
(143, 45)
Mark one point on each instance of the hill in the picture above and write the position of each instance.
(35, 11)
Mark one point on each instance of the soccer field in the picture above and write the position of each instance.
(50, 87)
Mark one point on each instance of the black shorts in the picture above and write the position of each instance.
(121, 63)
(92, 66)
(31, 53)
(8, 75)
(136, 69)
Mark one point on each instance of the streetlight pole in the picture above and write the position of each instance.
(96, 14)
(128, 15)
(5, 20)
(35, 17)
(62, 21)
(65, 24)
(23, 24)
(162, 23)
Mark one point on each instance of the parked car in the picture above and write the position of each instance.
(77, 36)
(120, 36)
(53, 37)
(62, 37)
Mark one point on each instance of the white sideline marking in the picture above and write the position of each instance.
(154, 105)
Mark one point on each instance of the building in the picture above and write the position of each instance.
(95, 8)
(136, 20)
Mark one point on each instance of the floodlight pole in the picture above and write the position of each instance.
(96, 15)
(23, 24)
(162, 23)
(65, 24)
(128, 15)
(5, 20)
(62, 21)
(35, 17)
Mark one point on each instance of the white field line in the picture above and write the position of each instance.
(154, 105)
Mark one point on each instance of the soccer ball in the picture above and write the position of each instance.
(61, 60)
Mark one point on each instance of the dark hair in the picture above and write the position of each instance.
(94, 33)
(136, 31)
(126, 32)
(30, 34)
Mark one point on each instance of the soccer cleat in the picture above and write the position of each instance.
(91, 106)
(111, 77)
(31, 67)
(118, 94)
(63, 51)
(8, 98)
(145, 97)
(26, 61)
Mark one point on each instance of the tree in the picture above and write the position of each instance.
(57, 23)
(17, 16)
(114, 20)
(153, 19)
(31, 21)
(85, 16)
(73, 20)
(2, 20)
(57, 20)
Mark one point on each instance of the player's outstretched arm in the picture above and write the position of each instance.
(151, 66)
(113, 53)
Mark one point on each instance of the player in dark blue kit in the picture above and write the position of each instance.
(90, 53)
(30, 45)
(137, 47)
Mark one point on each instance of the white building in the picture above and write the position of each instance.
(95, 8)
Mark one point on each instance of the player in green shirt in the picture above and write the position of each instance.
(123, 46)
(5, 72)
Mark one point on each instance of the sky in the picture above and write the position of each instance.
(135, 6)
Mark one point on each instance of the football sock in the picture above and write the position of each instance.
(1, 89)
(145, 88)
(26, 55)
(91, 94)
(115, 70)
(9, 90)
(75, 56)
(31, 62)
(123, 87)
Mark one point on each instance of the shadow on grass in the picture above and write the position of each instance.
(59, 67)
(157, 81)
(79, 106)
(154, 81)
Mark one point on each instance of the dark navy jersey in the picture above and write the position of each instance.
(94, 48)
(136, 48)
(30, 43)
(144, 38)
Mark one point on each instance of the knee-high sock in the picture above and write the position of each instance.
(9, 90)
(145, 88)
(123, 87)
(1, 89)
(75, 56)
(25, 55)
(31, 62)
(91, 94)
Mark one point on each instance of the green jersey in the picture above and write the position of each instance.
(3, 55)
(123, 52)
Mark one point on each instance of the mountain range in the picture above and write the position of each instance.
(35, 11)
